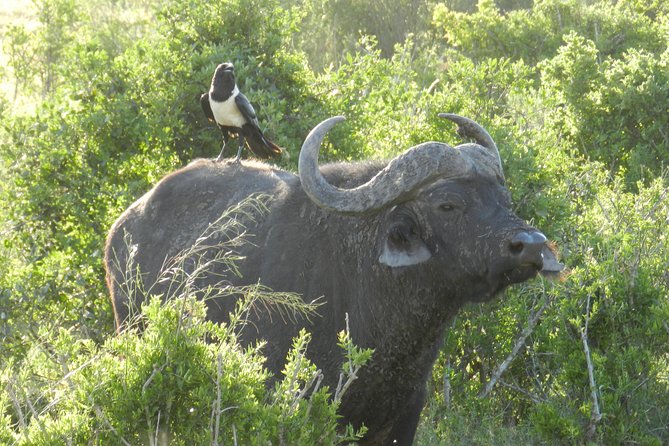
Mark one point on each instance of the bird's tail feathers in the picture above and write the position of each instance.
(261, 146)
(276, 150)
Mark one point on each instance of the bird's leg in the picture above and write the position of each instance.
(226, 137)
(241, 147)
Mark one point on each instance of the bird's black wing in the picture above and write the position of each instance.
(256, 141)
(246, 109)
(206, 107)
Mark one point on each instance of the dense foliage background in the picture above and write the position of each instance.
(100, 100)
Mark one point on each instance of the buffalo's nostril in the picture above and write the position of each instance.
(516, 247)
(528, 244)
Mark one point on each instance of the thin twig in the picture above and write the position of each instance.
(217, 403)
(535, 399)
(313, 392)
(447, 384)
(16, 404)
(156, 370)
(316, 378)
(352, 373)
(596, 414)
(155, 438)
(147, 412)
(36, 417)
(104, 419)
(520, 342)
(433, 86)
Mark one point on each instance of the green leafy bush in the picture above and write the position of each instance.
(535, 33)
(182, 381)
(613, 111)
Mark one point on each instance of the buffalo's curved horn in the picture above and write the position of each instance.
(469, 128)
(399, 179)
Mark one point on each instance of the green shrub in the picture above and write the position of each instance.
(181, 380)
(171, 375)
(534, 34)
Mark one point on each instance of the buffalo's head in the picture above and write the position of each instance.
(444, 208)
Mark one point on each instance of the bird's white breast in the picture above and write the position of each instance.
(226, 112)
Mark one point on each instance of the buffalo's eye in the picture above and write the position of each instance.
(447, 207)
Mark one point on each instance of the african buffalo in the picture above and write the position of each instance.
(399, 246)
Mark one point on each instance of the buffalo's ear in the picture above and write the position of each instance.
(403, 245)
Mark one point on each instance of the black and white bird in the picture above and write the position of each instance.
(225, 105)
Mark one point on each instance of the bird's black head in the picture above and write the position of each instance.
(225, 66)
(223, 82)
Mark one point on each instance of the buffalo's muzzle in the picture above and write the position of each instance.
(527, 247)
